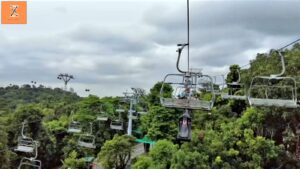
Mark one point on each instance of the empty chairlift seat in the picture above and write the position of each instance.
(234, 88)
(87, 141)
(116, 125)
(273, 92)
(74, 127)
(102, 117)
(25, 144)
(120, 110)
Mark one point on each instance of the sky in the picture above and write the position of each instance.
(110, 46)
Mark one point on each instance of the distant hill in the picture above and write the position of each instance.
(13, 95)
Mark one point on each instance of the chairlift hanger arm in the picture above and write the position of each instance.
(179, 50)
(279, 51)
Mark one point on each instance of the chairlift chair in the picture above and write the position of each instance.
(116, 125)
(186, 92)
(119, 110)
(30, 162)
(274, 90)
(218, 84)
(102, 117)
(233, 87)
(142, 112)
(87, 140)
(74, 127)
(25, 144)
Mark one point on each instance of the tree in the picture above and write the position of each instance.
(144, 162)
(162, 153)
(116, 153)
(155, 93)
(159, 157)
(4, 152)
(186, 159)
(160, 123)
(72, 162)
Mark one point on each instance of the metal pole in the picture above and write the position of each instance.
(129, 129)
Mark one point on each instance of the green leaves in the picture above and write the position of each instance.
(73, 162)
(116, 153)
(160, 123)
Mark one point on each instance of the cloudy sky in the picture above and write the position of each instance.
(110, 46)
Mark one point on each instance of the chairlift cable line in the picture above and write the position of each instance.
(288, 45)
(188, 33)
(280, 49)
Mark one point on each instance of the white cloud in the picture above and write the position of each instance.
(110, 46)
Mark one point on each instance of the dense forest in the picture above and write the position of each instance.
(232, 135)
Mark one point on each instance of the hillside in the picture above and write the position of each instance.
(232, 135)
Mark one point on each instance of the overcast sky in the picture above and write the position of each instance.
(110, 46)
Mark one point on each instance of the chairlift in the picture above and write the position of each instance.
(31, 162)
(120, 110)
(142, 112)
(87, 140)
(187, 91)
(233, 87)
(25, 144)
(102, 116)
(274, 90)
(74, 126)
(218, 84)
(118, 123)
(185, 127)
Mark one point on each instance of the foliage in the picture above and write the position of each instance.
(72, 162)
(232, 135)
(116, 153)
(160, 123)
